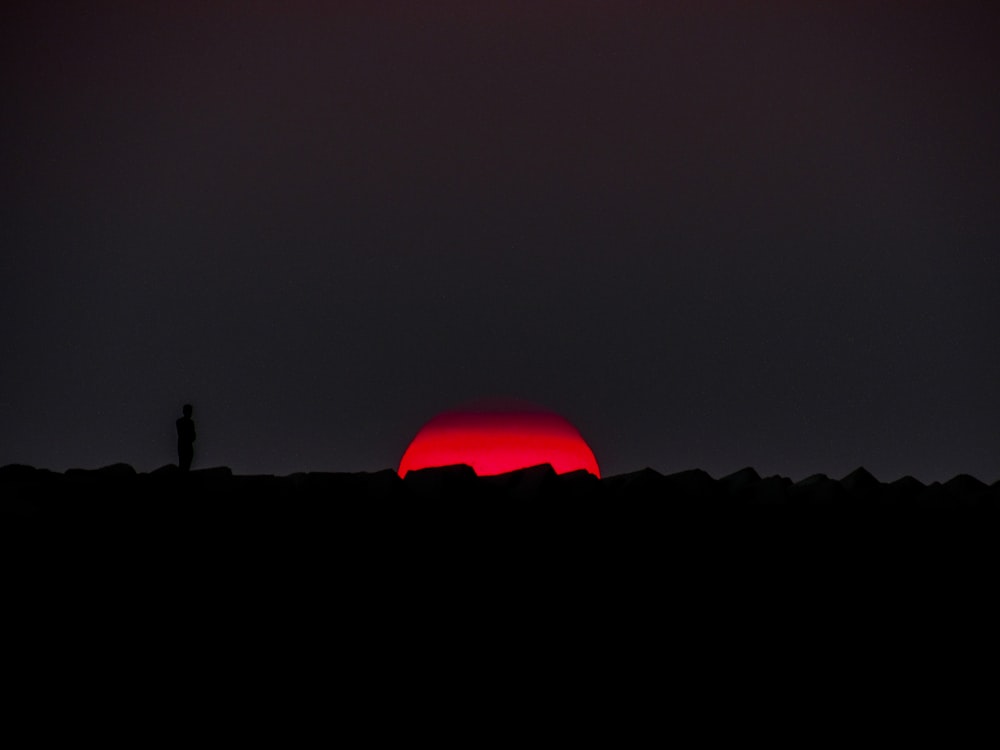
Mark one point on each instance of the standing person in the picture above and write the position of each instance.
(185, 439)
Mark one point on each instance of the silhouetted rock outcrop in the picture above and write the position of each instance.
(216, 498)
(691, 484)
(524, 484)
(114, 471)
(738, 482)
(860, 480)
(645, 483)
(579, 485)
(965, 487)
(445, 482)
(817, 489)
(907, 485)
(747, 486)
(213, 474)
(378, 485)
(22, 472)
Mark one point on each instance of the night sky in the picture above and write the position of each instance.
(708, 234)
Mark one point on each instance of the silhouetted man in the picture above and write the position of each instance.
(185, 439)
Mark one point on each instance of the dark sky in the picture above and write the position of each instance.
(709, 234)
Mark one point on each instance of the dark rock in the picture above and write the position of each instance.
(442, 482)
(23, 489)
(817, 489)
(382, 485)
(343, 486)
(334, 485)
(860, 480)
(299, 480)
(691, 484)
(747, 486)
(579, 485)
(908, 484)
(967, 489)
(643, 484)
(213, 474)
(933, 495)
(772, 490)
(258, 486)
(117, 470)
(530, 483)
(746, 475)
(904, 491)
(964, 483)
(114, 483)
(653, 511)
(813, 480)
(739, 481)
(12, 472)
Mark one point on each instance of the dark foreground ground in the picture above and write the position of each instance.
(640, 510)
(30, 492)
(687, 550)
(450, 604)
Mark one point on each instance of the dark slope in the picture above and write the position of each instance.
(27, 491)
(642, 510)
(682, 576)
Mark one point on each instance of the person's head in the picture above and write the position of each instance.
(187, 410)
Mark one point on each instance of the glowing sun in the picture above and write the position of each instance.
(497, 438)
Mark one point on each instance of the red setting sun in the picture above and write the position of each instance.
(498, 440)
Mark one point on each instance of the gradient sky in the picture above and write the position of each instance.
(708, 234)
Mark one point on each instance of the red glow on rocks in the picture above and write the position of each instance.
(495, 442)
